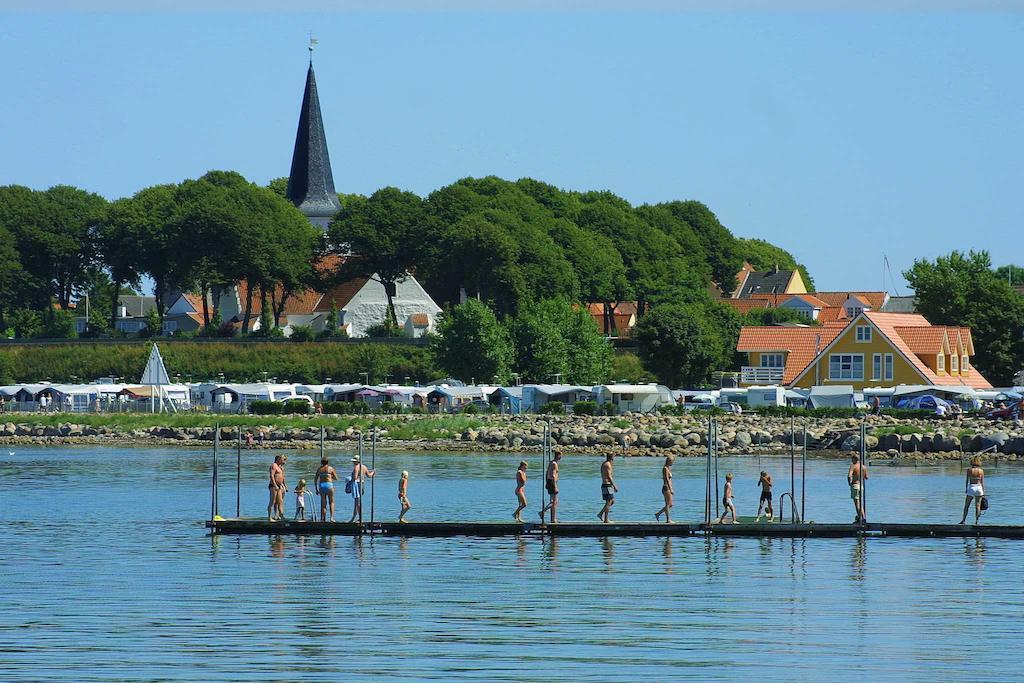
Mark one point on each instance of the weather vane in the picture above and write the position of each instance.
(312, 43)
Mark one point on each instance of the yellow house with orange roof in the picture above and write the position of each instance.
(872, 350)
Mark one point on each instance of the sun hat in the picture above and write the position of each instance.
(355, 458)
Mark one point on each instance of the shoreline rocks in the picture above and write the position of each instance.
(633, 435)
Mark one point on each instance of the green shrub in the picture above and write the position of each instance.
(552, 408)
(295, 408)
(470, 409)
(584, 408)
(302, 333)
(266, 408)
(238, 361)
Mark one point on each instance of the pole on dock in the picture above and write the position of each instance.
(863, 471)
(707, 478)
(216, 447)
(713, 438)
(238, 474)
(373, 466)
(803, 478)
(792, 470)
(544, 465)
(359, 478)
(323, 450)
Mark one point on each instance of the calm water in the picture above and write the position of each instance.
(108, 576)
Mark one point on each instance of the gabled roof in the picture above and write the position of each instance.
(800, 344)
(766, 282)
(807, 299)
(895, 325)
(873, 299)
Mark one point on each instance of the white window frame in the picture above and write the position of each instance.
(846, 359)
(781, 357)
(888, 372)
(954, 364)
(863, 333)
(940, 362)
(876, 366)
(965, 364)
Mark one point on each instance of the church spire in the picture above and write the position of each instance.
(310, 183)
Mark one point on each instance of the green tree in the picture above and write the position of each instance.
(962, 289)
(682, 345)
(25, 323)
(1014, 275)
(471, 343)
(385, 233)
(55, 233)
(553, 339)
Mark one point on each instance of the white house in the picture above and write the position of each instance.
(536, 396)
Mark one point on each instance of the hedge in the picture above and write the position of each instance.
(310, 362)
(279, 408)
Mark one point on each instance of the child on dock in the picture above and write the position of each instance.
(300, 500)
(403, 495)
(520, 490)
(727, 501)
(765, 502)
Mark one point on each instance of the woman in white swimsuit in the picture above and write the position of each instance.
(975, 488)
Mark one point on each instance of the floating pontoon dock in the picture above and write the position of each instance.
(257, 526)
(796, 527)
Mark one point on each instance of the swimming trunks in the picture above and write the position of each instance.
(607, 492)
(326, 486)
(766, 496)
(551, 488)
(356, 489)
(855, 490)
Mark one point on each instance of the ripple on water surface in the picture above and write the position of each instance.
(108, 576)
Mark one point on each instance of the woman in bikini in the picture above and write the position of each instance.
(975, 488)
(323, 484)
(667, 491)
(520, 490)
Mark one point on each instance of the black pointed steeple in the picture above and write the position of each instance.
(310, 183)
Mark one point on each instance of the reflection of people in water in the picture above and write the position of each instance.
(607, 551)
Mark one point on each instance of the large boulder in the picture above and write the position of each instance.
(743, 440)
(995, 440)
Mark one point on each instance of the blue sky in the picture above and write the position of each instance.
(840, 135)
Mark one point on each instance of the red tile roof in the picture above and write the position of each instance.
(873, 299)
(745, 305)
(801, 344)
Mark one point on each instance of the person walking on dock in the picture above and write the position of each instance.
(403, 495)
(323, 484)
(551, 486)
(360, 473)
(520, 490)
(668, 492)
(855, 477)
(728, 501)
(277, 488)
(608, 487)
(975, 489)
(765, 482)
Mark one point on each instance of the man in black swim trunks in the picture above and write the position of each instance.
(765, 482)
(551, 485)
(608, 487)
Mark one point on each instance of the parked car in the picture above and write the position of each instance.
(699, 405)
(730, 407)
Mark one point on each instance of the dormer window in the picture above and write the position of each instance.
(964, 364)
(940, 362)
(954, 365)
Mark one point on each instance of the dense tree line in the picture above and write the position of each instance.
(526, 249)
(963, 289)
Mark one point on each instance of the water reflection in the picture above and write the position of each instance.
(607, 552)
(858, 557)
